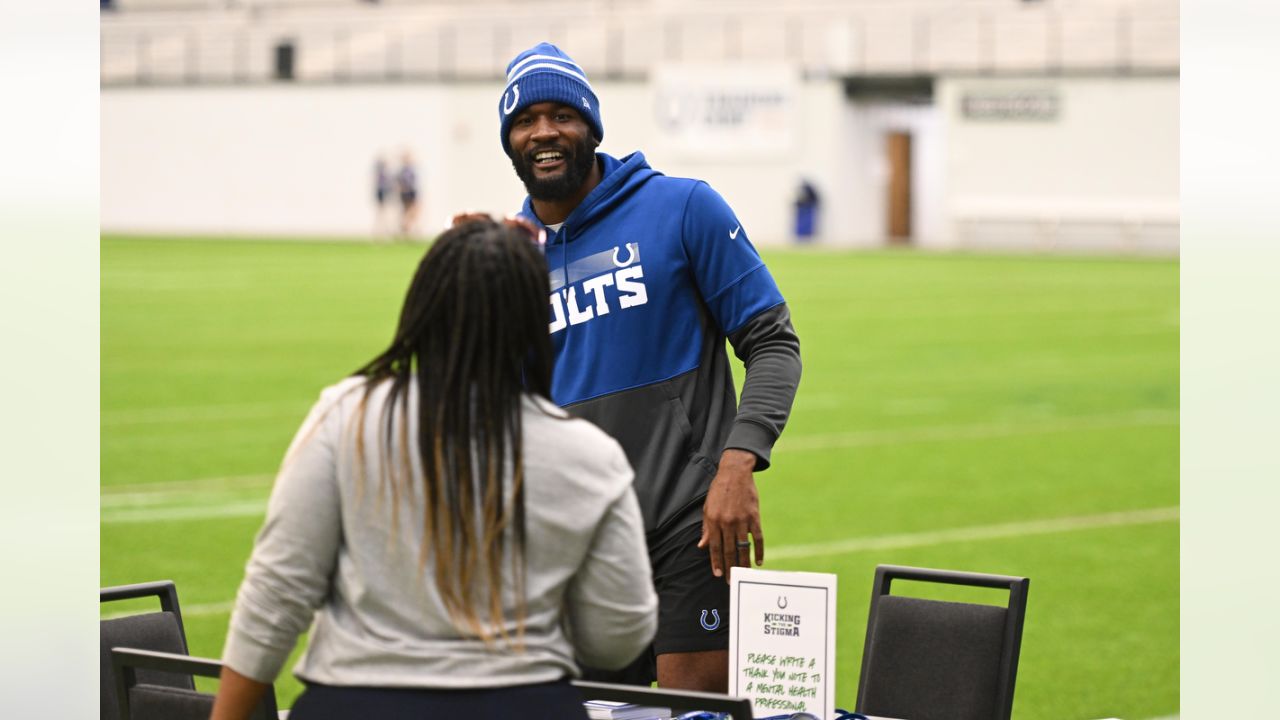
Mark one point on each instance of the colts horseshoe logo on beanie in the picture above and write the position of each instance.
(507, 109)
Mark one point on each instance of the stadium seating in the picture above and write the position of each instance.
(680, 701)
(137, 701)
(150, 42)
(934, 660)
(160, 631)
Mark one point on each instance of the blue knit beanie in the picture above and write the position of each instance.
(543, 73)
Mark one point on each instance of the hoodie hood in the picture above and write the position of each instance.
(620, 178)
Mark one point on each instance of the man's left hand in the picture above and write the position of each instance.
(731, 513)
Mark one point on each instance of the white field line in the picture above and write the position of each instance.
(864, 438)
(137, 501)
(127, 503)
(969, 534)
(889, 542)
(202, 413)
(856, 438)
(249, 508)
(201, 610)
(180, 487)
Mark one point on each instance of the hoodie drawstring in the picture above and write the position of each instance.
(564, 262)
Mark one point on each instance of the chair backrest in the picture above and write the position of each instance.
(680, 701)
(933, 659)
(145, 701)
(161, 631)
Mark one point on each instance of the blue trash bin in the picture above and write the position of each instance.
(806, 218)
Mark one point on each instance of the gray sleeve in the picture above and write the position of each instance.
(293, 557)
(611, 607)
(770, 349)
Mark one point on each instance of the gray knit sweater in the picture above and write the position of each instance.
(327, 551)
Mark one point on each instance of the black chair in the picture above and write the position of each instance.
(680, 701)
(160, 631)
(937, 660)
(139, 701)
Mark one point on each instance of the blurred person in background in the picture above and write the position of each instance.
(456, 536)
(649, 275)
(407, 182)
(382, 188)
(808, 204)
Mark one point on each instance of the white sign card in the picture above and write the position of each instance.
(782, 641)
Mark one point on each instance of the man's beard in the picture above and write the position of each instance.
(579, 157)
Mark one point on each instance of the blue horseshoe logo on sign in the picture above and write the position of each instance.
(715, 614)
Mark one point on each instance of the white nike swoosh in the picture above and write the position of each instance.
(733, 235)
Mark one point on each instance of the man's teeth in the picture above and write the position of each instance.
(547, 156)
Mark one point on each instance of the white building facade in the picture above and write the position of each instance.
(984, 125)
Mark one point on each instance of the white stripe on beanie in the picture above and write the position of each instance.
(511, 72)
(550, 66)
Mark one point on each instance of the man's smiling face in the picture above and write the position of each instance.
(552, 150)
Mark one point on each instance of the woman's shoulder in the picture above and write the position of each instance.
(341, 401)
(349, 390)
(343, 388)
(566, 441)
(544, 415)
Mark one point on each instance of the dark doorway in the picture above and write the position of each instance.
(284, 60)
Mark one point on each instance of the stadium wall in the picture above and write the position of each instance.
(296, 160)
(1099, 172)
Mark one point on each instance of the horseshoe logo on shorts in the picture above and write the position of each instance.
(782, 602)
(715, 614)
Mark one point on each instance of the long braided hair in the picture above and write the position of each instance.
(473, 337)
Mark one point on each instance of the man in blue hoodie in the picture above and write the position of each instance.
(649, 275)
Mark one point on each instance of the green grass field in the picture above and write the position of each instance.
(1001, 414)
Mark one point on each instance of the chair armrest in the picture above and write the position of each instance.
(125, 660)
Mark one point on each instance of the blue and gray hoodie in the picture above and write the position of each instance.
(649, 275)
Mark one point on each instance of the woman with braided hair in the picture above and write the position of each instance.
(460, 542)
